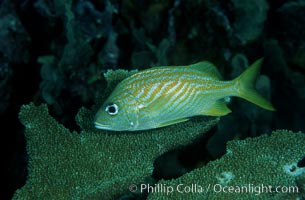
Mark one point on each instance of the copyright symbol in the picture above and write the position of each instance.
(132, 188)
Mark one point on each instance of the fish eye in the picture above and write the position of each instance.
(112, 109)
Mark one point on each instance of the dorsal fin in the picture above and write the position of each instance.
(207, 68)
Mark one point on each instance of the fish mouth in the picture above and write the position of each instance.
(102, 126)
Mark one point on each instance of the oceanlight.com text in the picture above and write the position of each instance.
(214, 188)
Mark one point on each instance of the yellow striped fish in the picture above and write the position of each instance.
(163, 96)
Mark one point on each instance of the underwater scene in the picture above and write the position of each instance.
(136, 100)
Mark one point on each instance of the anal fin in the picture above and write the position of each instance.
(218, 109)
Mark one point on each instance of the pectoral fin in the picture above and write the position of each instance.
(218, 109)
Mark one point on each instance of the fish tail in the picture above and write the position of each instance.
(246, 86)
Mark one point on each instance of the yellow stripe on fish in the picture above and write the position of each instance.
(163, 96)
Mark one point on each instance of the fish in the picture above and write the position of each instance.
(163, 96)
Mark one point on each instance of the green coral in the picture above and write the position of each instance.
(94, 163)
(253, 163)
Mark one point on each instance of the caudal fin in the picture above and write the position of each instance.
(246, 86)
